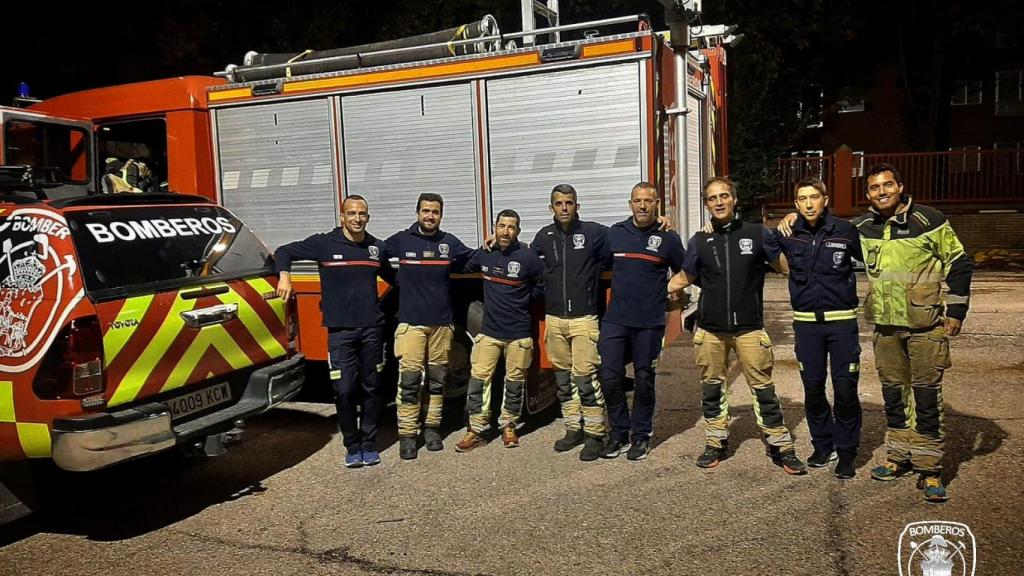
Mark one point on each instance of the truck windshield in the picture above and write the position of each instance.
(137, 249)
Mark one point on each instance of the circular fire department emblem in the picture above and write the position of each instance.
(38, 286)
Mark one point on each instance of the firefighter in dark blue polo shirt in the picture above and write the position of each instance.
(512, 276)
(349, 260)
(823, 292)
(634, 324)
(427, 256)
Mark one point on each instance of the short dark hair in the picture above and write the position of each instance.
(811, 183)
(718, 180)
(354, 197)
(507, 213)
(642, 186)
(883, 167)
(563, 189)
(429, 197)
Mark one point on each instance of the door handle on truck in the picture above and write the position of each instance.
(209, 316)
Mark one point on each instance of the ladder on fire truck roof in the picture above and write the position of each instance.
(548, 9)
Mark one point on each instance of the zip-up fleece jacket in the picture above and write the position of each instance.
(730, 264)
(512, 278)
(572, 267)
(348, 275)
(642, 258)
(907, 258)
(424, 265)
(821, 276)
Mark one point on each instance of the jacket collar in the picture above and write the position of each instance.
(726, 227)
(415, 231)
(574, 225)
(902, 211)
(827, 222)
(629, 225)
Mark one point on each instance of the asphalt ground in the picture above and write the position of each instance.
(281, 502)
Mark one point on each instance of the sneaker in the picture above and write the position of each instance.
(432, 439)
(612, 448)
(354, 460)
(712, 456)
(891, 470)
(822, 459)
(845, 469)
(509, 437)
(591, 449)
(788, 461)
(639, 449)
(371, 457)
(572, 439)
(470, 441)
(934, 490)
(407, 448)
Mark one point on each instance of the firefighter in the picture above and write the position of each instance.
(729, 264)
(512, 276)
(427, 255)
(909, 249)
(571, 251)
(349, 259)
(634, 326)
(823, 293)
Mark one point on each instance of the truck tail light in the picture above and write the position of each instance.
(73, 366)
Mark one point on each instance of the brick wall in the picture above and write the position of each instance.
(980, 232)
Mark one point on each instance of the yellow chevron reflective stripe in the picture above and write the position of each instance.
(136, 376)
(829, 316)
(130, 317)
(252, 322)
(34, 437)
(6, 401)
(215, 336)
(261, 286)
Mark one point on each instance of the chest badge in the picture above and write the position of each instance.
(837, 258)
(578, 241)
(746, 246)
(513, 269)
(443, 249)
(374, 252)
(653, 243)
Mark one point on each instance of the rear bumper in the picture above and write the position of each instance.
(99, 440)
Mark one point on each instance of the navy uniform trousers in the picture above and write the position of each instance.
(356, 357)
(818, 345)
(643, 345)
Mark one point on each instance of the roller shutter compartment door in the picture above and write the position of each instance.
(578, 127)
(276, 168)
(402, 143)
(694, 163)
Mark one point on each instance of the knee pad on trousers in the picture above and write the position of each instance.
(436, 376)
(409, 387)
(770, 407)
(563, 385)
(475, 396)
(711, 399)
(514, 396)
(929, 412)
(895, 416)
(588, 393)
(614, 391)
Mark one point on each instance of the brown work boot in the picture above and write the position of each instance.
(470, 441)
(509, 437)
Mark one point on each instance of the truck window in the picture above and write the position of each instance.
(59, 148)
(133, 156)
(130, 250)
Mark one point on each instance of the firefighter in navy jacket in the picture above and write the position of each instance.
(571, 250)
(512, 276)
(349, 260)
(823, 292)
(426, 256)
(729, 265)
(634, 324)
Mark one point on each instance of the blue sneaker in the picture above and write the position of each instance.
(354, 460)
(371, 457)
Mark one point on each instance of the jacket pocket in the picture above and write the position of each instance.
(400, 333)
(923, 305)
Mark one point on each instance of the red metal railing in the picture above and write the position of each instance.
(956, 177)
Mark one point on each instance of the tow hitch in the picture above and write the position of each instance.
(217, 444)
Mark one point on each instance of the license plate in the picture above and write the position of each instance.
(200, 400)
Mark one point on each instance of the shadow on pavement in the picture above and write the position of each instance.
(144, 495)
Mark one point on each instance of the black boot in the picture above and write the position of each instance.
(407, 448)
(432, 439)
(572, 439)
(591, 448)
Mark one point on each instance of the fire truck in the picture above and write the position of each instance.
(488, 119)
